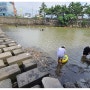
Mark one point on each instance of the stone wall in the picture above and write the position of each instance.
(26, 21)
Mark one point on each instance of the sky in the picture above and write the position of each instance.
(32, 6)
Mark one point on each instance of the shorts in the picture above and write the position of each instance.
(59, 59)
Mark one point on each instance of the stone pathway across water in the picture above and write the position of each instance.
(21, 67)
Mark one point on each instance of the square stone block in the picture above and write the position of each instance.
(12, 44)
(2, 46)
(5, 55)
(49, 82)
(31, 78)
(6, 83)
(29, 64)
(9, 72)
(18, 59)
(2, 64)
(0, 50)
(1, 41)
(11, 48)
(18, 51)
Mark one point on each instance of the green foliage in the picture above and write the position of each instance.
(75, 8)
(84, 23)
(64, 20)
(43, 9)
(87, 10)
(66, 14)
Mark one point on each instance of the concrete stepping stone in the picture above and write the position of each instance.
(17, 51)
(18, 59)
(0, 51)
(8, 42)
(12, 44)
(6, 83)
(1, 41)
(49, 82)
(2, 46)
(28, 64)
(9, 72)
(5, 55)
(2, 35)
(30, 78)
(2, 64)
(11, 48)
(3, 38)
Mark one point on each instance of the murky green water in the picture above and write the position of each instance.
(75, 39)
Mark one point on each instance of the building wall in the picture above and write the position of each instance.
(3, 8)
(10, 9)
(6, 9)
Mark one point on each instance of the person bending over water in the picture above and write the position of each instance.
(86, 51)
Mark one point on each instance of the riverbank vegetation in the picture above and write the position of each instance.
(67, 15)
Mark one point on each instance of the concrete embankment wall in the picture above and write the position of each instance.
(26, 21)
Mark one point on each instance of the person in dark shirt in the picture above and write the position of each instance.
(86, 51)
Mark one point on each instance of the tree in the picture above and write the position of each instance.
(42, 10)
(87, 11)
(50, 11)
(75, 8)
(57, 10)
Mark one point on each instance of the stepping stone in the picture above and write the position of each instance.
(9, 72)
(6, 83)
(11, 48)
(49, 82)
(3, 38)
(1, 41)
(17, 51)
(2, 46)
(12, 44)
(8, 40)
(30, 78)
(18, 59)
(5, 55)
(28, 64)
(0, 51)
(2, 64)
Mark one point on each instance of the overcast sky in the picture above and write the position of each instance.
(33, 7)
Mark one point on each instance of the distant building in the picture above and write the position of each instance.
(27, 15)
(7, 9)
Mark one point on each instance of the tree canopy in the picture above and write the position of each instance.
(66, 14)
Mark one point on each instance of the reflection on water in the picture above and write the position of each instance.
(74, 39)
